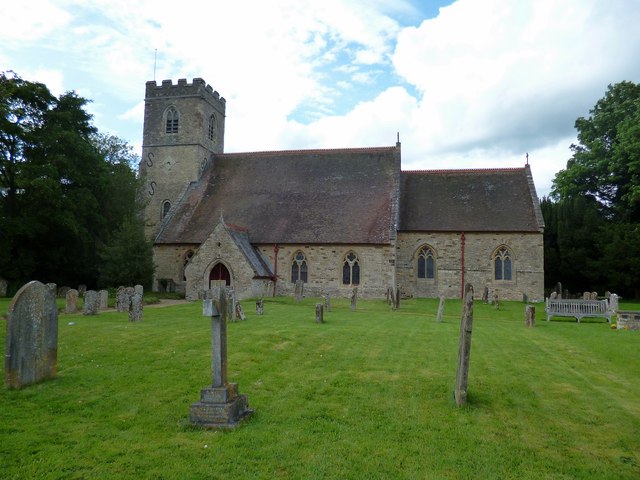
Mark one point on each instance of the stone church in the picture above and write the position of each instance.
(332, 218)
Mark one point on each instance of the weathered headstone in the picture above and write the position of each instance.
(559, 291)
(260, 307)
(485, 296)
(139, 289)
(240, 312)
(62, 292)
(496, 300)
(135, 307)
(71, 299)
(220, 406)
(440, 309)
(594, 296)
(231, 304)
(3, 287)
(299, 291)
(614, 303)
(103, 299)
(396, 305)
(31, 344)
(607, 294)
(327, 302)
(319, 313)
(91, 303)
(354, 298)
(53, 287)
(586, 296)
(122, 299)
(464, 351)
(525, 298)
(81, 290)
(530, 316)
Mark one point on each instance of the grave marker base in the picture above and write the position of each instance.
(220, 407)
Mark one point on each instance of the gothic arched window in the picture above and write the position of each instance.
(212, 129)
(299, 268)
(351, 269)
(166, 206)
(426, 262)
(173, 118)
(502, 263)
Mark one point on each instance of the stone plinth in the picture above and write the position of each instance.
(628, 320)
(220, 407)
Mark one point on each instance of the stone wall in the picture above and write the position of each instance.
(169, 262)
(324, 264)
(527, 264)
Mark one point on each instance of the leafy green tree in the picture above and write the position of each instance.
(127, 258)
(605, 165)
(66, 189)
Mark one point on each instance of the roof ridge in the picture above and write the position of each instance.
(466, 170)
(314, 150)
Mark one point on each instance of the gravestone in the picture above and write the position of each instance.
(120, 300)
(614, 303)
(220, 406)
(31, 344)
(231, 304)
(586, 296)
(327, 301)
(240, 312)
(135, 307)
(554, 295)
(389, 295)
(485, 296)
(53, 287)
(139, 289)
(71, 299)
(396, 305)
(62, 292)
(496, 301)
(525, 298)
(607, 294)
(81, 290)
(392, 297)
(299, 291)
(319, 313)
(354, 298)
(260, 307)
(464, 351)
(559, 291)
(594, 296)
(104, 299)
(3, 287)
(440, 309)
(91, 303)
(565, 294)
(530, 316)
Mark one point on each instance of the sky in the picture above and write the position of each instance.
(464, 84)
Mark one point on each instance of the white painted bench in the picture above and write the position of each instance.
(578, 309)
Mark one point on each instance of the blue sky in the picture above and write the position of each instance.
(466, 83)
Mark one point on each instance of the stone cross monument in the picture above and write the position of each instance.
(220, 406)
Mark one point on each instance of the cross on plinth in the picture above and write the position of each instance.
(220, 406)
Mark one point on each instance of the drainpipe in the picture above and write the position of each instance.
(462, 262)
(276, 249)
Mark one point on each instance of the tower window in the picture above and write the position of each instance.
(299, 268)
(212, 129)
(426, 263)
(173, 118)
(351, 269)
(502, 264)
(166, 206)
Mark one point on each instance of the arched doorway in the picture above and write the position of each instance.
(220, 272)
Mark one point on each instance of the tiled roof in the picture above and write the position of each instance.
(499, 200)
(300, 196)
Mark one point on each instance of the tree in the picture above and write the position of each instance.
(605, 164)
(65, 188)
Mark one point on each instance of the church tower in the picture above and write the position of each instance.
(183, 128)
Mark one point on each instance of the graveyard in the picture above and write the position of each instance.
(368, 392)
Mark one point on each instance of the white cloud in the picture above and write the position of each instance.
(30, 21)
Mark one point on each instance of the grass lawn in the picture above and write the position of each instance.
(368, 394)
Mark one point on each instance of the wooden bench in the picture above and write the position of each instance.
(578, 309)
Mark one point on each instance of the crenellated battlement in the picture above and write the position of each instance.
(182, 88)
